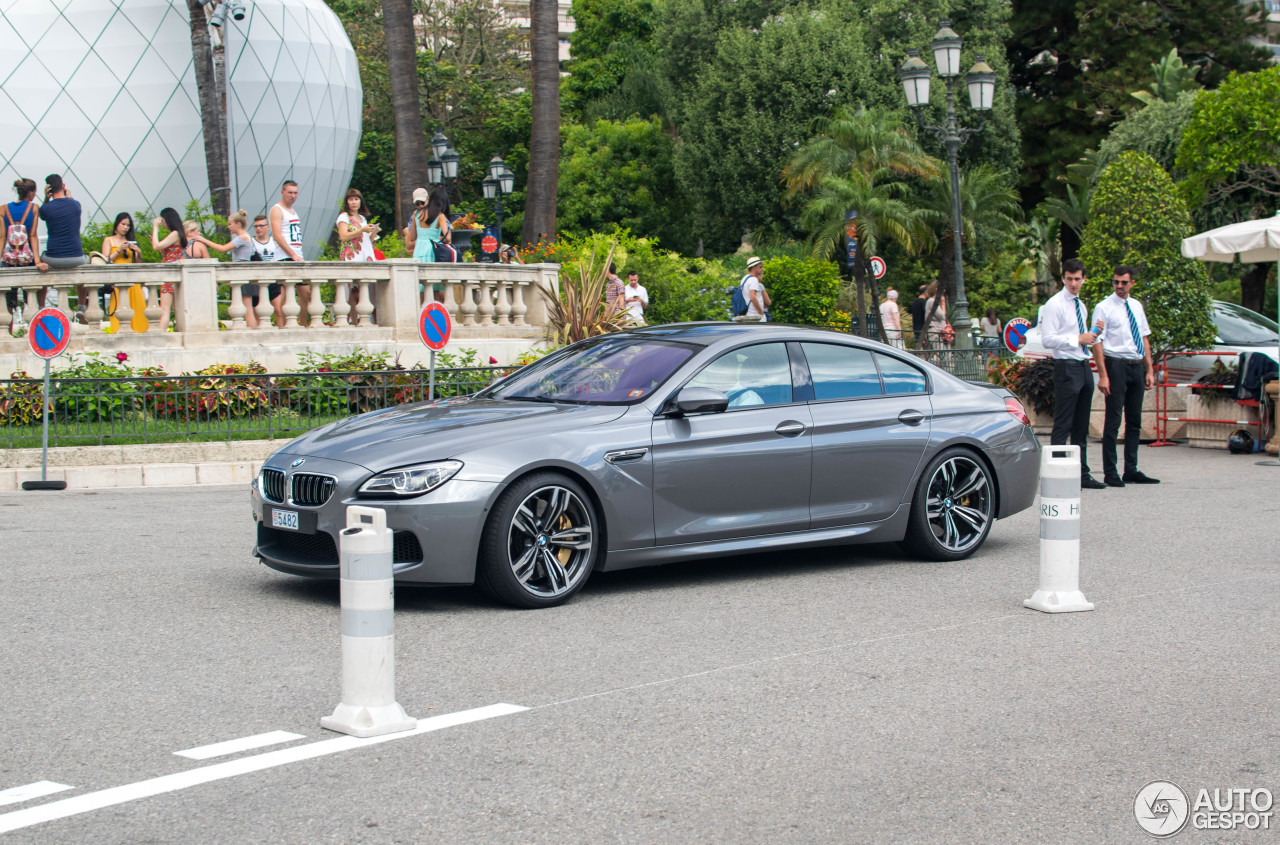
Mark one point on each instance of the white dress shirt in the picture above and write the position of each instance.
(1060, 330)
(1117, 336)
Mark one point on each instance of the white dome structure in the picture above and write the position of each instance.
(104, 93)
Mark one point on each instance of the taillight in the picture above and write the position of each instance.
(1015, 409)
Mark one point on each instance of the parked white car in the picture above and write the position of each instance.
(1239, 330)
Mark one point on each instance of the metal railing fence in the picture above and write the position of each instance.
(224, 406)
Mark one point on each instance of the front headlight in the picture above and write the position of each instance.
(410, 481)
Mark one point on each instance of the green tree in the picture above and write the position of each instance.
(612, 47)
(1155, 130)
(620, 174)
(871, 141)
(1139, 219)
(1230, 152)
(1075, 62)
(803, 291)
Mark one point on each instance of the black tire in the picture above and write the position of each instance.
(541, 542)
(953, 507)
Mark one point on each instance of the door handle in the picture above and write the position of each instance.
(790, 428)
(911, 417)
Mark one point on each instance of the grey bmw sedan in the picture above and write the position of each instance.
(658, 445)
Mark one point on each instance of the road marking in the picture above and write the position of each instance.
(234, 746)
(30, 816)
(31, 790)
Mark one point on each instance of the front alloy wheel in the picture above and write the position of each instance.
(540, 544)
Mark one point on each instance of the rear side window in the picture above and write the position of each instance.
(841, 372)
(900, 377)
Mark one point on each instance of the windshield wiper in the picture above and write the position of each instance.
(545, 399)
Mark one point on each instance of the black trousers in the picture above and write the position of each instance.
(1128, 384)
(1072, 396)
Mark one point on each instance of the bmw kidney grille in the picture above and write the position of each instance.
(273, 485)
(311, 490)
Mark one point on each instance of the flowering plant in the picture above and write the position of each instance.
(467, 221)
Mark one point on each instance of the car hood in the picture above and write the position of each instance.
(446, 428)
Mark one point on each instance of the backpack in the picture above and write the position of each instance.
(739, 304)
(17, 246)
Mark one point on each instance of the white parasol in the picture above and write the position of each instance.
(1251, 242)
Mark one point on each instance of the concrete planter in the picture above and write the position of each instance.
(1214, 435)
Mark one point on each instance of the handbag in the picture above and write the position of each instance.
(445, 253)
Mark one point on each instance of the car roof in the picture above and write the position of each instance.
(706, 334)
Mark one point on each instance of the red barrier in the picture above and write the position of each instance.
(1162, 401)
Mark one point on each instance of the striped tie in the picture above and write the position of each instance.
(1133, 327)
(1079, 317)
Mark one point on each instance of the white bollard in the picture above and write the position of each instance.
(1059, 533)
(368, 706)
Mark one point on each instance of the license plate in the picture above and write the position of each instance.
(284, 519)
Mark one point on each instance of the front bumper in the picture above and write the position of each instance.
(436, 536)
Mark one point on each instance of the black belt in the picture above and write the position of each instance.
(1070, 361)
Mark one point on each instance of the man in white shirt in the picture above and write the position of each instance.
(1064, 331)
(891, 319)
(635, 298)
(1126, 351)
(753, 289)
(286, 231)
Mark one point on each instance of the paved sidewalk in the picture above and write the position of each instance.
(141, 465)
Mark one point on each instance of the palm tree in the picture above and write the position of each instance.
(211, 111)
(989, 212)
(402, 75)
(544, 136)
(869, 141)
(1043, 263)
(852, 153)
(881, 215)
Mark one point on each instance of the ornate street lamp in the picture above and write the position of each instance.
(981, 82)
(501, 181)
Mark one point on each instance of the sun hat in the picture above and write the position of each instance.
(893, 294)
(753, 261)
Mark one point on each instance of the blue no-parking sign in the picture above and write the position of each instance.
(434, 326)
(1015, 333)
(49, 333)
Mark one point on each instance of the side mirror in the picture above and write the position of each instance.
(698, 400)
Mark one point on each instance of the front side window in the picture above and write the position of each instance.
(751, 375)
(841, 372)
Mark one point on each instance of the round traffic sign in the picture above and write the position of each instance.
(434, 326)
(1015, 333)
(878, 267)
(49, 333)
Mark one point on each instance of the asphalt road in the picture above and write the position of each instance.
(837, 696)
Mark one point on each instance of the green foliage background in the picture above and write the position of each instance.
(804, 291)
(1139, 219)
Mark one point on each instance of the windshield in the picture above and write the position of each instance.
(1240, 326)
(610, 370)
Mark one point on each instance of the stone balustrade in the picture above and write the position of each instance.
(488, 302)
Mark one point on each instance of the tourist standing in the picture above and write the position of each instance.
(917, 315)
(241, 248)
(355, 238)
(264, 246)
(286, 231)
(635, 298)
(753, 290)
(891, 319)
(172, 248)
(121, 247)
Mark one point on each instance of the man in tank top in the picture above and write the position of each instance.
(286, 231)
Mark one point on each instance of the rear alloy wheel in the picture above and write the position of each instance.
(540, 543)
(953, 508)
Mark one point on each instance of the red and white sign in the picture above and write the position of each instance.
(878, 267)
(1015, 333)
(49, 333)
(434, 326)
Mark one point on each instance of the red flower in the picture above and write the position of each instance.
(492, 360)
(121, 357)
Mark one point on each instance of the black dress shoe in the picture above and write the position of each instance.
(1136, 477)
(1088, 482)
(1114, 481)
